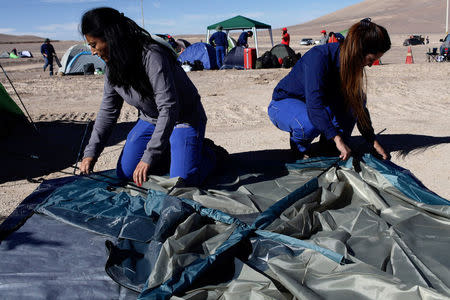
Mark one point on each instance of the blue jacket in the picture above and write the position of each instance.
(242, 40)
(315, 80)
(219, 38)
(47, 49)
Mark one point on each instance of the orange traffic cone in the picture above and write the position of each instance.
(376, 63)
(409, 56)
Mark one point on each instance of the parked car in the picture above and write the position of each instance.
(444, 50)
(307, 41)
(414, 40)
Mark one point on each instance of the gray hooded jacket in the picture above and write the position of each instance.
(175, 100)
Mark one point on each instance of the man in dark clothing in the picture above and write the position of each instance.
(48, 51)
(243, 38)
(220, 40)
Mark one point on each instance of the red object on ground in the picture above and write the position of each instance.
(376, 63)
(249, 58)
(409, 56)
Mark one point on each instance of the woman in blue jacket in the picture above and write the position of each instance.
(147, 76)
(324, 92)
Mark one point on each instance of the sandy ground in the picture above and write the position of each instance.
(409, 103)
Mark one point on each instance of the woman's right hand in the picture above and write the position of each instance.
(342, 147)
(87, 165)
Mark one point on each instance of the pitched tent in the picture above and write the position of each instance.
(231, 43)
(164, 43)
(10, 114)
(182, 45)
(76, 57)
(4, 54)
(234, 59)
(241, 23)
(200, 51)
(281, 51)
(25, 53)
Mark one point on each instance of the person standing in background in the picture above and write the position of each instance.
(220, 41)
(48, 51)
(285, 37)
(324, 39)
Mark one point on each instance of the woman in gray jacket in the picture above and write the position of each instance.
(146, 75)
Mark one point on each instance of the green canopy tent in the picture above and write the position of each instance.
(241, 23)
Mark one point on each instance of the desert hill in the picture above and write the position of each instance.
(12, 39)
(398, 16)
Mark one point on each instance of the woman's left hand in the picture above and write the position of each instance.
(380, 150)
(140, 173)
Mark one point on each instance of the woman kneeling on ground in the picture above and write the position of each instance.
(146, 75)
(324, 92)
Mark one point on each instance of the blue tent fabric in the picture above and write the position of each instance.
(202, 52)
(308, 226)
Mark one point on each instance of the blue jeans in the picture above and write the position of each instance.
(220, 54)
(48, 61)
(188, 158)
(291, 115)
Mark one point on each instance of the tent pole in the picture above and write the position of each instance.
(207, 37)
(256, 40)
(271, 38)
(31, 120)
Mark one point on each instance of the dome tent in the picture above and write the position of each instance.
(234, 59)
(76, 57)
(202, 52)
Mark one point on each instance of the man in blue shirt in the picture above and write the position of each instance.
(48, 51)
(220, 40)
(243, 38)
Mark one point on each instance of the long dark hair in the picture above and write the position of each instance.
(363, 38)
(126, 41)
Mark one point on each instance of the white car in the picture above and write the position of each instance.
(307, 41)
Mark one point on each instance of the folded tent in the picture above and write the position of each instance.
(263, 228)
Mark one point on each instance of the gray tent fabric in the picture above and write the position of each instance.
(76, 57)
(4, 54)
(271, 229)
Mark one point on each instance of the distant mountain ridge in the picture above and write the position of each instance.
(14, 39)
(398, 16)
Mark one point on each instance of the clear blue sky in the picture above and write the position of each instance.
(59, 19)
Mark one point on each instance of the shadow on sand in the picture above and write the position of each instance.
(404, 144)
(26, 154)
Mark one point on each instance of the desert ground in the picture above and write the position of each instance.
(409, 105)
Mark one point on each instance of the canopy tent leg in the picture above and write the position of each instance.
(256, 40)
(207, 37)
(271, 38)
